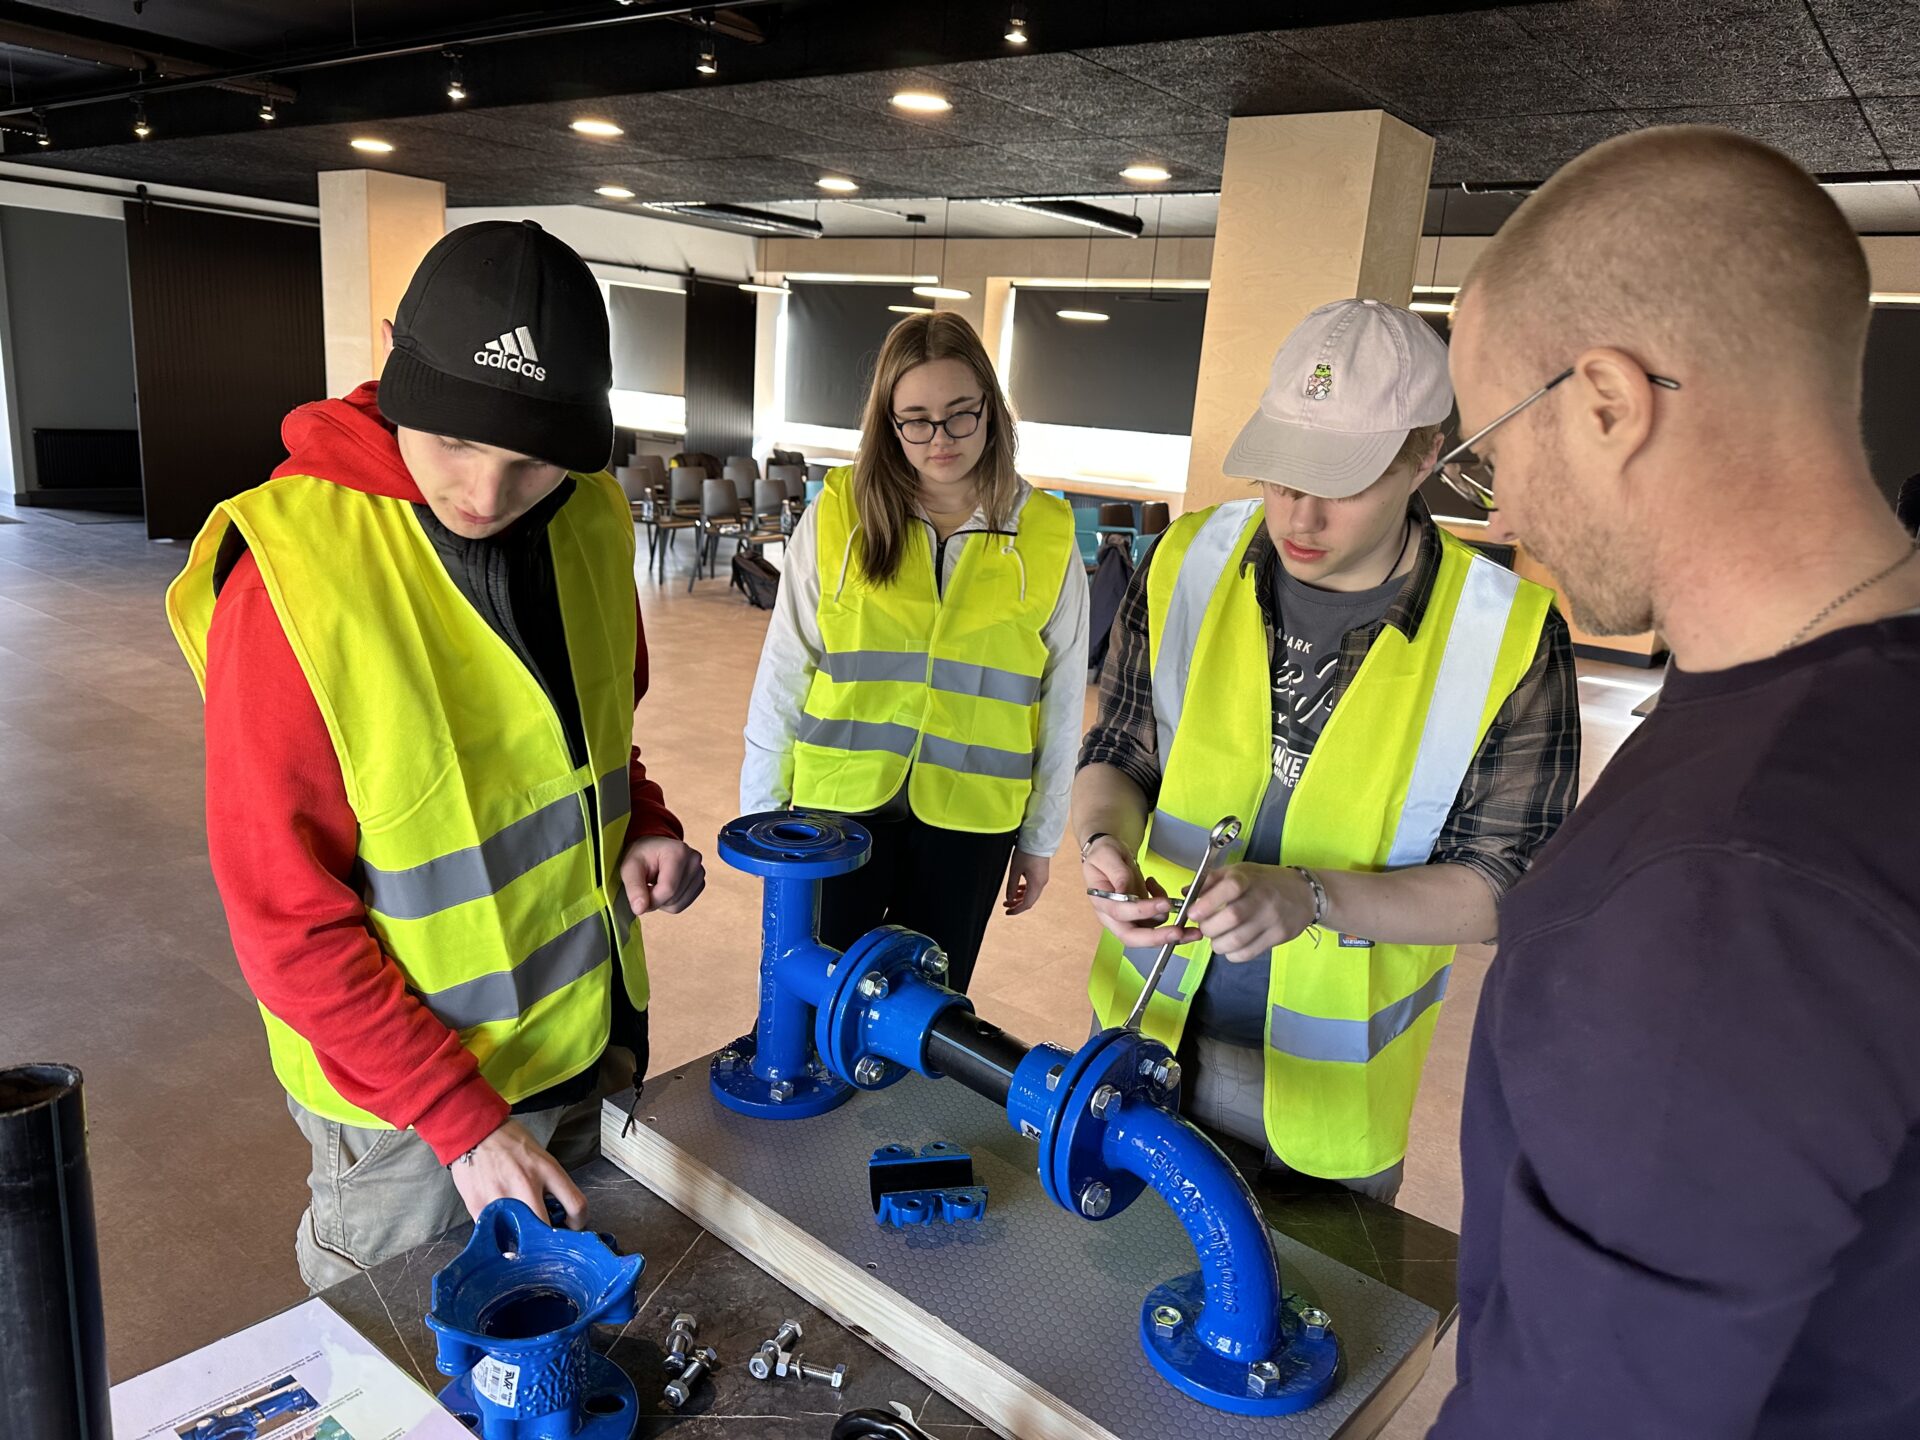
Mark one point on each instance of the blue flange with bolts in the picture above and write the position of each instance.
(1105, 1117)
(513, 1312)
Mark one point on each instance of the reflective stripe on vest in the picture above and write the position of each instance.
(483, 881)
(1347, 1029)
(1222, 535)
(1452, 731)
(937, 692)
(503, 857)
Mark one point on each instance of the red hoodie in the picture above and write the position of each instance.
(282, 836)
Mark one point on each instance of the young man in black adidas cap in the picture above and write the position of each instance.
(420, 648)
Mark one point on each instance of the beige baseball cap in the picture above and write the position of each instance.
(1346, 388)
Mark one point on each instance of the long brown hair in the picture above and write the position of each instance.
(886, 487)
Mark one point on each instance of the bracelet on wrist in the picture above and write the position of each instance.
(1093, 840)
(1319, 893)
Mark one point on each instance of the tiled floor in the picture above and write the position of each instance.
(114, 957)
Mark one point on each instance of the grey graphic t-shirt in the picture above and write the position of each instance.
(1312, 625)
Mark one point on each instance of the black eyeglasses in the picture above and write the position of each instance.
(1470, 476)
(958, 426)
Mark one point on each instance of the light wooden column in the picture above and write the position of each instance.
(374, 229)
(1313, 208)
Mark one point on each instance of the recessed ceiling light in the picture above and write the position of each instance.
(839, 184)
(614, 192)
(604, 129)
(370, 145)
(1146, 174)
(911, 309)
(922, 101)
(942, 292)
(1090, 315)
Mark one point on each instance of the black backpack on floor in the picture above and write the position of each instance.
(755, 577)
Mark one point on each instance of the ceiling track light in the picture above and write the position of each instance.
(707, 64)
(1016, 26)
(266, 112)
(1077, 212)
(41, 137)
(456, 82)
(764, 222)
(141, 128)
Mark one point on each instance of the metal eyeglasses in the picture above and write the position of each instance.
(958, 426)
(1470, 476)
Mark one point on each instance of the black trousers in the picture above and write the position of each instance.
(943, 883)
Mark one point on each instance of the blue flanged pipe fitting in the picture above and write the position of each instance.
(513, 1312)
(1105, 1117)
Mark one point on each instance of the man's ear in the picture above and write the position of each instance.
(1613, 400)
(386, 338)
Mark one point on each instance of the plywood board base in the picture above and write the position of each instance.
(1029, 1319)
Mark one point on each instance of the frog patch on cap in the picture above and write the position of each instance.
(1320, 382)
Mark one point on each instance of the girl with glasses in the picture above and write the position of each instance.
(924, 668)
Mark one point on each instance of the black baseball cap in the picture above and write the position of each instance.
(502, 339)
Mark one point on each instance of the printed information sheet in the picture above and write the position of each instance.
(303, 1375)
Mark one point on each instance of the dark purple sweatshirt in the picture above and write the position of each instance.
(1691, 1134)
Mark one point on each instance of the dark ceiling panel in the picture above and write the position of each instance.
(1523, 147)
(1451, 67)
(1897, 124)
(1236, 74)
(1827, 135)
(820, 115)
(1088, 96)
(1877, 43)
(1687, 52)
(1101, 159)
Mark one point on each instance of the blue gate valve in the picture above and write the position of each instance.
(1105, 1117)
(513, 1313)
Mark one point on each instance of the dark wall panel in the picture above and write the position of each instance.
(1136, 370)
(834, 335)
(720, 334)
(649, 340)
(227, 337)
(1889, 418)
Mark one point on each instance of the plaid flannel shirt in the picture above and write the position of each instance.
(1520, 785)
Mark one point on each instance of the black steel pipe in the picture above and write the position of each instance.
(53, 1361)
(981, 1056)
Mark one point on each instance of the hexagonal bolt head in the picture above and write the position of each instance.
(1053, 1077)
(1166, 1320)
(1315, 1323)
(873, 985)
(787, 1336)
(1263, 1379)
(761, 1366)
(836, 1377)
(870, 1071)
(933, 964)
(780, 1091)
(1104, 1099)
(680, 1389)
(1094, 1199)
(1167, 1073)
(727, 1059)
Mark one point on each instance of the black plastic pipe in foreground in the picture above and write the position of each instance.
(53, 1363)
(980, 1056)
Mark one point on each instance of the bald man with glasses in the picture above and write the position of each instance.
(1691, 1134)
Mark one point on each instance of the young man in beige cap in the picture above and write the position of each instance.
(1390, 714)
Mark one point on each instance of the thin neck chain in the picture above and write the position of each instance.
(1841, 599)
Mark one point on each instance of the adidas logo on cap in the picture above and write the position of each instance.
(512, 351)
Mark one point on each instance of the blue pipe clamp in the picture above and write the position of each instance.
(513, 1312)
(1105, 1117)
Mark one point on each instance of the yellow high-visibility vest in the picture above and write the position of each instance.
(943, 687)
(490, 859)
(1347, 1027)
